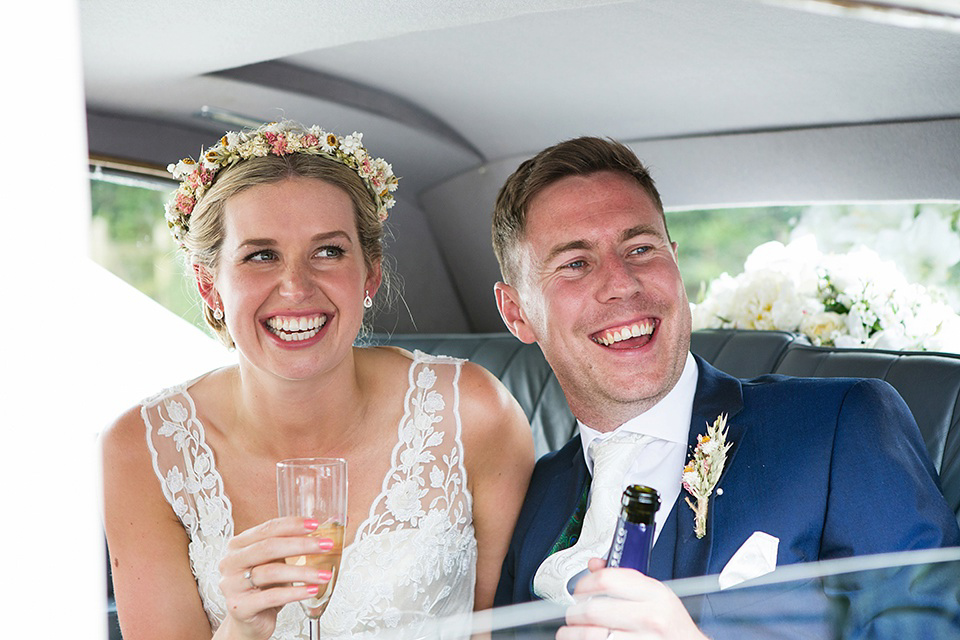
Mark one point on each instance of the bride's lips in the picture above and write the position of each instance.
(632, 335)
(291, 328)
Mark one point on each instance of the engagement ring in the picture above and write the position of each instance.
(249, 576)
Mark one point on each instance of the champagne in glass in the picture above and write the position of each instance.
(316, 488)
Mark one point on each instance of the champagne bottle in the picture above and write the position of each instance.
(633, 537)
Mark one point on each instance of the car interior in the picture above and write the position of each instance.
(730, 103)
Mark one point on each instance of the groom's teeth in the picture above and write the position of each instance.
(624, 333)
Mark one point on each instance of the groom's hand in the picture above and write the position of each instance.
(628, 604)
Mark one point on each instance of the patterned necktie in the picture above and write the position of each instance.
(612, 458)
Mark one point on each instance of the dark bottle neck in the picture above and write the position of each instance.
(640, 504)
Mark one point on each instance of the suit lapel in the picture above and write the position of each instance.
(661, 560)
(717, 393)
(568, 504)
(558, 504)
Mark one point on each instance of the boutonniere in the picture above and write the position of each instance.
(703, 471)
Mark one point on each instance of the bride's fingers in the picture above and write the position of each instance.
(285, 526)
(251, 551)
(252, 602)
(269, 575)
(273, 550)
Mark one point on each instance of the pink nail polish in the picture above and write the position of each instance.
(311, 524)
(323, 575)
(324, 544)
(313, 589)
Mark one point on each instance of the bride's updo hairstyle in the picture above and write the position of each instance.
(268, 155)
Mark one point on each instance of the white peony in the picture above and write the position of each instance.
(821, 327)
(854, 299)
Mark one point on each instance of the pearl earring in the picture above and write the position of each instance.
(218, 313)
(368, 301)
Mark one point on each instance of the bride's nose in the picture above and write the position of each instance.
(296, 283)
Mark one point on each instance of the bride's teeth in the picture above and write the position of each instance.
(295, 329)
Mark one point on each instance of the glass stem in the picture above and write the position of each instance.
(314, 628)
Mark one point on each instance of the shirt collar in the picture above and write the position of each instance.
(667, 420)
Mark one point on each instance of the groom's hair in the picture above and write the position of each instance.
(576, 157)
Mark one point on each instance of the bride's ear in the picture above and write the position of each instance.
(205, 286)
(374, 279)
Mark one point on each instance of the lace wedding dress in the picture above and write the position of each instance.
(412, 559)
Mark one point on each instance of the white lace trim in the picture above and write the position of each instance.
(414, 556)
(196, 492)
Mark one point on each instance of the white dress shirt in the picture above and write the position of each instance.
(661, 464)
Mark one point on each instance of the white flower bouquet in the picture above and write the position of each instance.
(844, 300)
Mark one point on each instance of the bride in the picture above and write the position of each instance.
(282, 227)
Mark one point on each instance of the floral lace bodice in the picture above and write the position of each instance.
(413, 558)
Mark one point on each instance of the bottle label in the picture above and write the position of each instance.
(632, 545)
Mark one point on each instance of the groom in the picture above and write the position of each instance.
(816, 468)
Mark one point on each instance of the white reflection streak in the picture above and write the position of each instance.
(941, 15)
(539, 612)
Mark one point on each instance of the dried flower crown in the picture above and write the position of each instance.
(279, 139)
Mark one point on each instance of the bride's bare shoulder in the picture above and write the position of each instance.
(125, 437)
(129, 481)
(384, 358)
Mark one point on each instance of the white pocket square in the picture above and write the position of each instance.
(756, 557)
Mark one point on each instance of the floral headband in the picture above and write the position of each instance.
(279, 139)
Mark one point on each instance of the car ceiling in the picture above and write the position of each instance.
(442, 89)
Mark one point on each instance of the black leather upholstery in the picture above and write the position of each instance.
(744, 354)
(928, 382)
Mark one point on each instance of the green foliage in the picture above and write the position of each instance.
(131, 240)
(714, 241)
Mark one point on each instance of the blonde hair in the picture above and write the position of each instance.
(204, 240)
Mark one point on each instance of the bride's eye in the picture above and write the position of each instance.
(330, 251)
(263, 255)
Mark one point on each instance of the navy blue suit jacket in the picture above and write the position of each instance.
(832, 467)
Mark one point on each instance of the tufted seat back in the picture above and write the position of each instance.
(928, 382)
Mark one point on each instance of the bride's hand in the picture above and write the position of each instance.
(255, 580)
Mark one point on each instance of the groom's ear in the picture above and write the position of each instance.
(511, 310)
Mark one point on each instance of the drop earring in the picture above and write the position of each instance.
(217, 313)
(368, 301)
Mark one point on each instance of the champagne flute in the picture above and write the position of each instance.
(316, 488)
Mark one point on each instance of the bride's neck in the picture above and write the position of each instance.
(299, 418)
